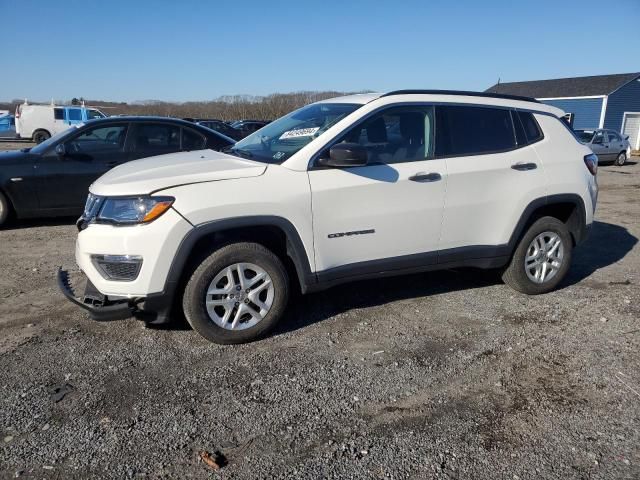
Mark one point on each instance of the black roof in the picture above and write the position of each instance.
(566, 87)
(463, 93)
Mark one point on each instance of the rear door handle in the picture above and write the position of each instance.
(524, 166)
(425, 177)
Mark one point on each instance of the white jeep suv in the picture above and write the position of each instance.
(349, 188)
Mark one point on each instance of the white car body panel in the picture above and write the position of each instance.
(182, 168)
(155, 242)
(485, 197)
(560, 153)
(279, 192)
(405, 215)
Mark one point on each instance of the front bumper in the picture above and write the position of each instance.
(154, 309)
(98, 305)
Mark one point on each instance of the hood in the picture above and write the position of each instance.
(158, 173)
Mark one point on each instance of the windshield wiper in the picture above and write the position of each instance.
(238, 152)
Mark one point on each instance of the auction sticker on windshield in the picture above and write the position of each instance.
(299, 132)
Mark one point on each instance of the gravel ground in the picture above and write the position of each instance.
(438, 375)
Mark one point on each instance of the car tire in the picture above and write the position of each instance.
(40, 136)
(5, 210)
(219, 307)
(621, 159)
(537, 266)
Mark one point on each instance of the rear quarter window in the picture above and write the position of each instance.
(531, 127)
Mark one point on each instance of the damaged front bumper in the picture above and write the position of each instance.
(99, 306)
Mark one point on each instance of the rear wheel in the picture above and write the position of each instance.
(237, 294)
(5, 209)
(541, 259)
(621, 159)
(40, 136)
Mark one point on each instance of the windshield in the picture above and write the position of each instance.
(91, 114)
(584, 136)
(42, 147)
(279, 140)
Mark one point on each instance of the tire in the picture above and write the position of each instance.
(41, 135)
(518, 277)
(5, 210)
(621, 159)
(213, 322)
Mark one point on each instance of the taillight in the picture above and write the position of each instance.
(591, 161)
(18, 111)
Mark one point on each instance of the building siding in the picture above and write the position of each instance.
(626, 99)
(586, 111)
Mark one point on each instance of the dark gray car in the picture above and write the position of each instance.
(608, 145)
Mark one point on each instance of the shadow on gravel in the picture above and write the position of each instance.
(607, 244)
(308, 309)
(40, 222)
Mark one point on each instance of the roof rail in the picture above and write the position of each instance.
(462, 93)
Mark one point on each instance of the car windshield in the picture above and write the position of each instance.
(91, 114)
(584, 136)
(44, 146)
(279, 140)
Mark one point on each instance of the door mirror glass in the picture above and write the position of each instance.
(598, 139)
(346, 155)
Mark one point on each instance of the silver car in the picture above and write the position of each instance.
(608, 145)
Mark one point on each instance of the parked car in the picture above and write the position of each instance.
(344, 189)
(40, 122)
(222, 127)
(52, 178)
(247, 127)
(7, 125)
(608, 145)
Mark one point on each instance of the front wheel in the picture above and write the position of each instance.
(4, 210)
(237, 294)
(621, 159)
(541, 259)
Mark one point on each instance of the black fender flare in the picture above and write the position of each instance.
(295, 246)
(577, 223)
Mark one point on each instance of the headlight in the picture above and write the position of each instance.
(132, 210)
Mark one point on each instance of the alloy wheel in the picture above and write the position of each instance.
(239, 296)
(544, 257)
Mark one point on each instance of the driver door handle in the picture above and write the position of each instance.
(524, 166)
(425, 177)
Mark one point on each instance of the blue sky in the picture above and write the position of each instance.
(195, 50)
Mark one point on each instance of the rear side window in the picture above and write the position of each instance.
(614, 137)
(531, 128)
(192, 140)
(58, 114)
(467, 130)
(156, 138)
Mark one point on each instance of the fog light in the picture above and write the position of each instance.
(122, 268)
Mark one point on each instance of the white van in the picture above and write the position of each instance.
(40, 122)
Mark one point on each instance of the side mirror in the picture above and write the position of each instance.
(346, 155)
(61, 151)
(597, 141)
